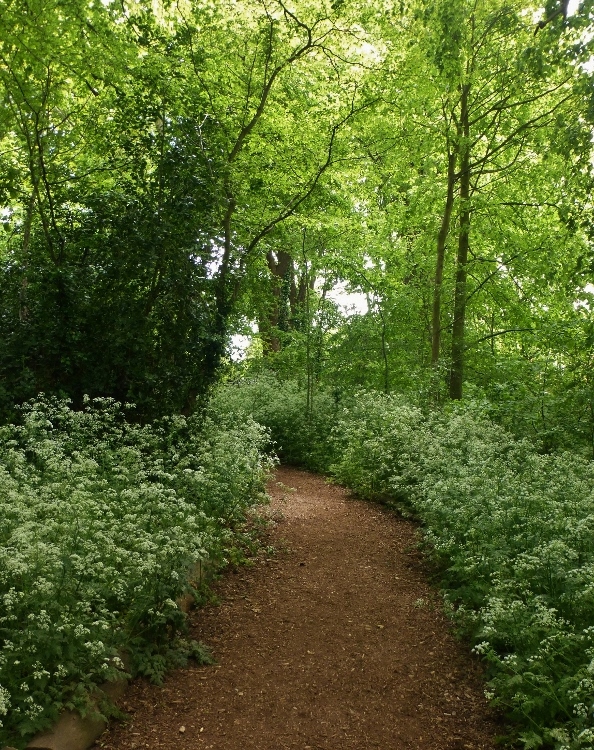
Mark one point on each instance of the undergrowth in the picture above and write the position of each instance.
(297, 435)
(102, 520)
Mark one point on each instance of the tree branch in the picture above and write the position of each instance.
(500, 333)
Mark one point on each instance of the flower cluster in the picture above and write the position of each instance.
(102, 519)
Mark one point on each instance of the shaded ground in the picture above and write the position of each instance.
(334, 642)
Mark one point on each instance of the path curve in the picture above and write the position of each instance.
(335, 642)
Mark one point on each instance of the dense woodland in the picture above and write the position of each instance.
(174, 175)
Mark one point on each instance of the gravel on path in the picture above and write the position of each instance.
(335, 642)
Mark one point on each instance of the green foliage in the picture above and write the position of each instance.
(372, 444)
(143, 161)
(166, 169)
(102, 521)
(155, 659)
(103, 264)
(297, 435)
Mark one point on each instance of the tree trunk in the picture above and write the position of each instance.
(280, 267)
(457, 373)
(23, 308)
(441, 244)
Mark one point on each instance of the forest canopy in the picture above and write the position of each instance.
(175, 173)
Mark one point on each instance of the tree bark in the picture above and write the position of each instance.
(457, 372)
(280, 267)
(441, 245)
(23, 308)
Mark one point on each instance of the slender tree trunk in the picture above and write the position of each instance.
(457, 373)
(23, 309)
(441, 245)
(308, 357)
(319, 339)
(384, 351)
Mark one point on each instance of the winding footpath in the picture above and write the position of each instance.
(335, 641)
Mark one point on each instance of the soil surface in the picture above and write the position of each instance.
(335, 641)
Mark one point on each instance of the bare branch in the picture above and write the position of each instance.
(499, 333)
(294, 204)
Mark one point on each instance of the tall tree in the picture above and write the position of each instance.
(156, 161)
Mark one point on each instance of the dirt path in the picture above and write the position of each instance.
(333, 643)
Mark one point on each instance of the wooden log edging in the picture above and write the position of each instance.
(75, 732)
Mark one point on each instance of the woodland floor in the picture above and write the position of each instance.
(335, 641)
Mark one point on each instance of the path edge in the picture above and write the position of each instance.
(75, 732)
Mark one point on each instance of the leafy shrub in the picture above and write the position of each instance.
(298, 437)
(101, 522)
(373, 438)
